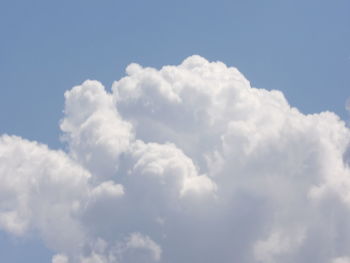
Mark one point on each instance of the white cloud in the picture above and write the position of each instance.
(183, 164)
(137, 241)
(59, 259)
(341, 260)
(95, 132)
(278, 244)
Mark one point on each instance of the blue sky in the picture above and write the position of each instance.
(299, 47)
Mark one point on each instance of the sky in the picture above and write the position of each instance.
(300, 48)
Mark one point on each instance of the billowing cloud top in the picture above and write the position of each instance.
(183, 164)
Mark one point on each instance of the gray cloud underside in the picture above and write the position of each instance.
(183, 164)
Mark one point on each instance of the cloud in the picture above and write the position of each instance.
(341, 260)
(188, 163)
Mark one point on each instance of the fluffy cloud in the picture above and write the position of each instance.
(188, 163)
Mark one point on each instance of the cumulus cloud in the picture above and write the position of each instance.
(187, 163)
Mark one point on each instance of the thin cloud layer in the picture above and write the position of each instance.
(188, 163)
